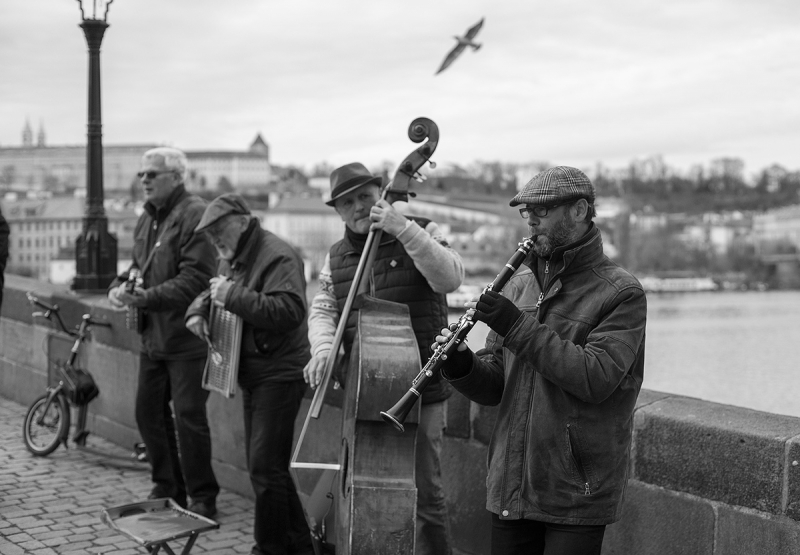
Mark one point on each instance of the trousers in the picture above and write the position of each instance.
(433, 527)
(181, 464)
(270, 409)
(531, 537)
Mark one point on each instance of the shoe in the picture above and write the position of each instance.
(203, 508)
(158, 493)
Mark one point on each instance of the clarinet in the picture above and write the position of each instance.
(398, 413)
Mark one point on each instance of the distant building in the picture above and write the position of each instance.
(776, 227)
(306, 223)
(223, 171)
(42, 229)
(58, 169)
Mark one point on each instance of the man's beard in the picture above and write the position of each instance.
(561, 234)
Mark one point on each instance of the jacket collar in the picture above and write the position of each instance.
(584, 253)
(355, 242)
(252, 243)
(174, 198)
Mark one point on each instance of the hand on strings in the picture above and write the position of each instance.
(220, 285)
(498, 312)
(386, 217)
(134, 298)
(198, 326)
(113, 296)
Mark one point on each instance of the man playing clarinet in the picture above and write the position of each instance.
(564, 361)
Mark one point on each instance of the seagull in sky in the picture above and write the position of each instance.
(463, 42)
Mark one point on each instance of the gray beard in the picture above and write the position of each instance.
(561, 234)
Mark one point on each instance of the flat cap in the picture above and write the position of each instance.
(223, 205)
(554, 186)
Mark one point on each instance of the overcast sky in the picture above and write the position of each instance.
(571, 82)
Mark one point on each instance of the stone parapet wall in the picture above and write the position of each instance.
(705, 478)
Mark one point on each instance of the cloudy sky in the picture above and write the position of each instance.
(569, 82)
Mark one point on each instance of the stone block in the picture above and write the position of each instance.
(116, 373)
(719, 452)
(15, 303)
(483, 420)
(19, 383)
(745, 532)
(648, 397)
(20, 342)
(464, 474)
(458, 408)
(660, 522)
(793, 479)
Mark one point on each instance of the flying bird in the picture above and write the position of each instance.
(463, 42)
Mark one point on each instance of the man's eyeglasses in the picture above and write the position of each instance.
(153, 174)
(539, 210)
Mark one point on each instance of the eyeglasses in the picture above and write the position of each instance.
(153, 174)
(539, 210)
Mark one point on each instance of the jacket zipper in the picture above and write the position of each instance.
(576, 458)
(541, 293)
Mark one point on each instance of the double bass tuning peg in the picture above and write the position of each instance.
(432, 164)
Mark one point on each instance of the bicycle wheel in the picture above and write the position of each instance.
(43, 438)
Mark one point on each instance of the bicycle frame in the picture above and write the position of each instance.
(81, 433)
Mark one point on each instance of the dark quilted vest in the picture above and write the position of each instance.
(394, 278)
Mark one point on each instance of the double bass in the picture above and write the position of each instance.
(373, 482)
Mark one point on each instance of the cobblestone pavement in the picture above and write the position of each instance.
(52, 505)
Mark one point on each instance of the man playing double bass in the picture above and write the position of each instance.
(414, 266)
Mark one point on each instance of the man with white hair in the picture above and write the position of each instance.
(175, 265)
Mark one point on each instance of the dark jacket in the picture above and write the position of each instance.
(566, 378)
(181, 267)
(4, 231)
(395, 278)
(269, 293)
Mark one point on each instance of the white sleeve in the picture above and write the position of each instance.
(433, 256)
(323, 314)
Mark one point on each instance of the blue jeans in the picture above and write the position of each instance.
(531, 537)
(270, 408)
(190, 472)
(433, 528)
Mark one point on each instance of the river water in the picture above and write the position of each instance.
(736, 348)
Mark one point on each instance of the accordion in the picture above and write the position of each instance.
(224, 346)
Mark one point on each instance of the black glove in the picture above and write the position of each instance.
(498, 312)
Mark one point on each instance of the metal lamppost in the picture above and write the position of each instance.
(95, 248)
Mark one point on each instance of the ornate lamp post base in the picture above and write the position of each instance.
(95, 256)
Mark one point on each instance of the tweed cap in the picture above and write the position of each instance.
(223, 205)
(554, 186)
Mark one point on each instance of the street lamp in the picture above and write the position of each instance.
(95, 248)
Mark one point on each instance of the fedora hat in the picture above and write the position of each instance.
(348, 178)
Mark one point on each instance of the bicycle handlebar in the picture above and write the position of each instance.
(54, 309)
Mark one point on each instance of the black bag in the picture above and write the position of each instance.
(79, 386)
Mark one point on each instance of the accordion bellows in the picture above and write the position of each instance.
(222, 363)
